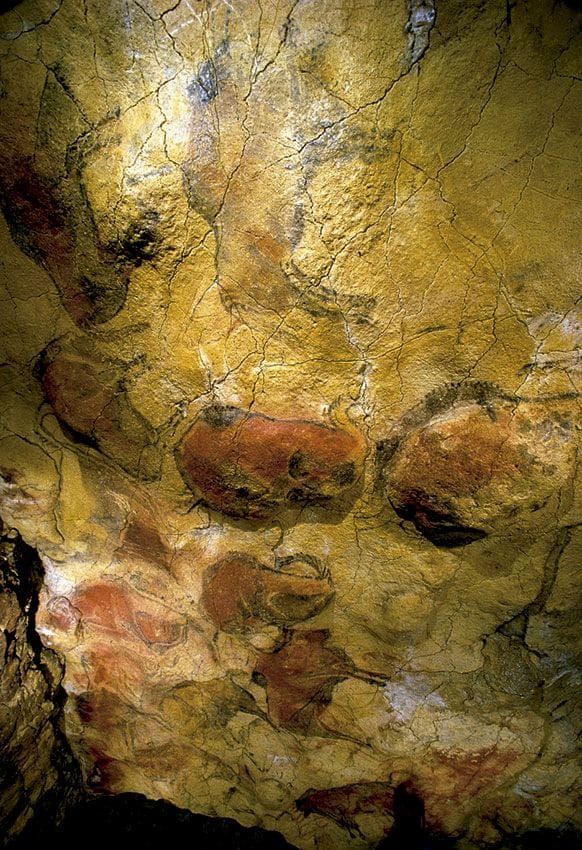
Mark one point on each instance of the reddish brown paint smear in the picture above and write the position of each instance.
(343, 804)
(248, 465)
(453, 778)
(145, 541)
(119, 667)
(239, 590)
(92, 289)
(79, 395)
(105, 605)
(468, 774)
(459, 456)
(112, 608)
(106, 773)
(103, 714)
(35, 210)
(88, 397)
(439, 463)
(299, 677)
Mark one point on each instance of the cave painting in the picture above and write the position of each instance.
(291, 402)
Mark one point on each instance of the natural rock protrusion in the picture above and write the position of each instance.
(88, 397)
(37, 773)
(239, 591)
(471, 468)
(249, 465)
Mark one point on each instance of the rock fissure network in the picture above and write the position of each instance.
(290, 408)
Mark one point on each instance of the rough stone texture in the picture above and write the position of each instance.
(290, 403)
(128, 819)
(35, 765)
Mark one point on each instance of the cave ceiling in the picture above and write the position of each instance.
(290, 383)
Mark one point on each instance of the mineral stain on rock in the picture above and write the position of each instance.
(249, 465)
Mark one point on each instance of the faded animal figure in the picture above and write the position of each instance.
(290, 403)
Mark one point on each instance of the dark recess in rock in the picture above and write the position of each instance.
(31, 685)
(440, 529)
(140, 240)
(127, 820)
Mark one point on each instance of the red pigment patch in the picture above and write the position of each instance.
(343, 804)
(456, 778)
(155, 630)
(299, 678)
(103, 715)
(468, 774)
(111, 607)
(105, 718)
(461, 455)
(248, 465)
(35, 210)
(47, 230)
(451, 459)
(106, 773)
(239, 590)
(103, 711)
(87, 397)
(106, 606)
(61, 614)
(119, 668)
(144, 541)
(78, 393)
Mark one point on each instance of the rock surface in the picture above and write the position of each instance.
(290, 403)
(37, 774)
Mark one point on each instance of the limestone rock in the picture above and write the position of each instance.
(290, 406)
(35, 760)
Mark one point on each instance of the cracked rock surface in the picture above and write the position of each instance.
(290, 403)
(36, 770)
